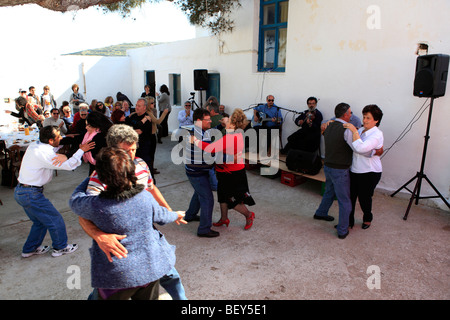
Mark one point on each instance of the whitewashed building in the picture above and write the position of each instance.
(355, 51)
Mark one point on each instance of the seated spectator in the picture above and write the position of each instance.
(213, 109)
(67, 117)
(100, 107)
(56, 121)
(93, 104)
(221, 109)
(109, 103)
(117, 105)
(118, 116)
(122, 97)
(126, 108)
(64, 104)
(77, 131)
(76, 117)
(185, 116)
(30, 111)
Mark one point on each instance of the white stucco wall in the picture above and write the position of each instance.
(334, 55)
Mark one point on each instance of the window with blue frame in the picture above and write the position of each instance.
(272, 35)
(176, 89)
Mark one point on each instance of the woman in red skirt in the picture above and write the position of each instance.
(232, 189)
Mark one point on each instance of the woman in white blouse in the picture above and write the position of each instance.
(366, 169)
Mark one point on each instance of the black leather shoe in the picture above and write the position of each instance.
(326, 218)
(195, 218)
(343, 236)
(210, 234)
(365, 226)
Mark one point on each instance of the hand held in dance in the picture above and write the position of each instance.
(180, 218)
(379, 152)
(350, 126)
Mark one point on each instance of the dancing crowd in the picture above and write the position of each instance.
(118, 203)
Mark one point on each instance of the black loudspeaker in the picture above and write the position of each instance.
(200, 79)
(431, 75)
(303, 161)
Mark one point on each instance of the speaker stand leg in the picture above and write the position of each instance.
(415, 194)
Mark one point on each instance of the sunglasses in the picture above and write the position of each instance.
(271, 100)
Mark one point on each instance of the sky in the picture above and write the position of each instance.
(48, 33)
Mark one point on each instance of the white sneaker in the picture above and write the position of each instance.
(39, 250)
(69, 249)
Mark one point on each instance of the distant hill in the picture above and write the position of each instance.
(114, 50)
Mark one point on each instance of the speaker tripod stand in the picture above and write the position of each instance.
(193, 103)
(415, 194)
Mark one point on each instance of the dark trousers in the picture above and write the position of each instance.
(149, 292)
(362, 187)
(144, 151)
(164, 125)
(151, 165)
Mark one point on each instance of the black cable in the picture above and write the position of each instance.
(408, 127)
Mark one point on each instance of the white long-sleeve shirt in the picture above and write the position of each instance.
(37, 168)
(370, 140)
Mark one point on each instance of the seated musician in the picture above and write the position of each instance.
(307, 138)
(269, 117)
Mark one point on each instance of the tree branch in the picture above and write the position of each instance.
(211, 14)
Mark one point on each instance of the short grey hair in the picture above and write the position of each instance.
(121, 133)
(145, 101)
(83, 106)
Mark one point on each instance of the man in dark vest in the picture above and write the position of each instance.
(338, 159)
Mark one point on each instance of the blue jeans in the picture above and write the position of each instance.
(213, 179)
(171, 282)
(337, 184)
(202, 200)
(44, 217)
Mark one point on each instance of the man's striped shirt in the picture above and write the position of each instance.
(143, 175)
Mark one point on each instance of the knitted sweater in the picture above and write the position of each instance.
(132, 214)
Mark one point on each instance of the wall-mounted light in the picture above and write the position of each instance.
(422, 49)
